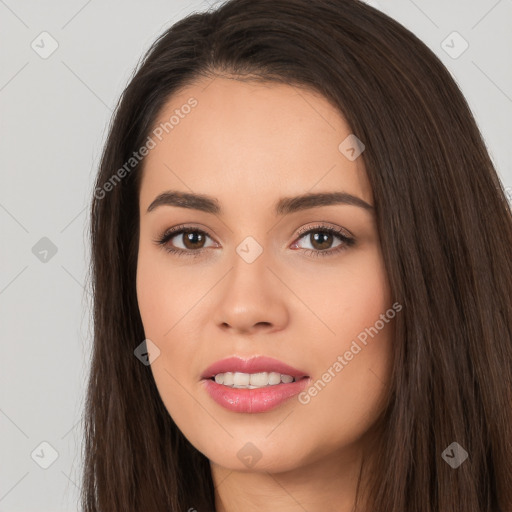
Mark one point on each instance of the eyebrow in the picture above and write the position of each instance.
(284, 206)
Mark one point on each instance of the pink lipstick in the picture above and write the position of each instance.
(253, 385)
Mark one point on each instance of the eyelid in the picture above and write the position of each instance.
(302, 231)
(346, 237)
(326, 226)
(178, 230)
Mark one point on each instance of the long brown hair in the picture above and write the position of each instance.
(446, 234)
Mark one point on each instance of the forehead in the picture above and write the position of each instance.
(250, 140)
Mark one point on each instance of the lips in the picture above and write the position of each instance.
(247, 400)
(253, 365)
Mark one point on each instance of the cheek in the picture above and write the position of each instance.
(165, 307)
(348, 391)
(367, 327)
(365, 295)
(161, 295)
(360, 387)
(353, 366)
(170, 305)
(350, 298)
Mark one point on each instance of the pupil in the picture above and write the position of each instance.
(192, 238)
(321, 238)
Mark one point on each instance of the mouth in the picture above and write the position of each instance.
(256, 372)
(255, 385)
(240, 380)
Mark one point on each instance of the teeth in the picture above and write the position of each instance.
(252, 380)
(274, 378)
(241, 379)
(227, 378)
(258, 379)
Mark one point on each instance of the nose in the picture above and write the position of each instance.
(251, 299)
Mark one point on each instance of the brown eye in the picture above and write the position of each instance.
(321, 239)
(193, 239)
(183, 241)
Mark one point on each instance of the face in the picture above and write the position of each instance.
(257, 275)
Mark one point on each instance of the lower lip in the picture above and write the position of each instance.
(253, 400)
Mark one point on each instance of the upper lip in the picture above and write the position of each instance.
(255, 364)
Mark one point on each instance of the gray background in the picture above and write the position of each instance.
(55, 113)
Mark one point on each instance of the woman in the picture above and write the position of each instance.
(235, 369)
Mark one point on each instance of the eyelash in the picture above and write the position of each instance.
(178, 230)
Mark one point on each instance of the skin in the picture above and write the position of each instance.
(249, 144)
